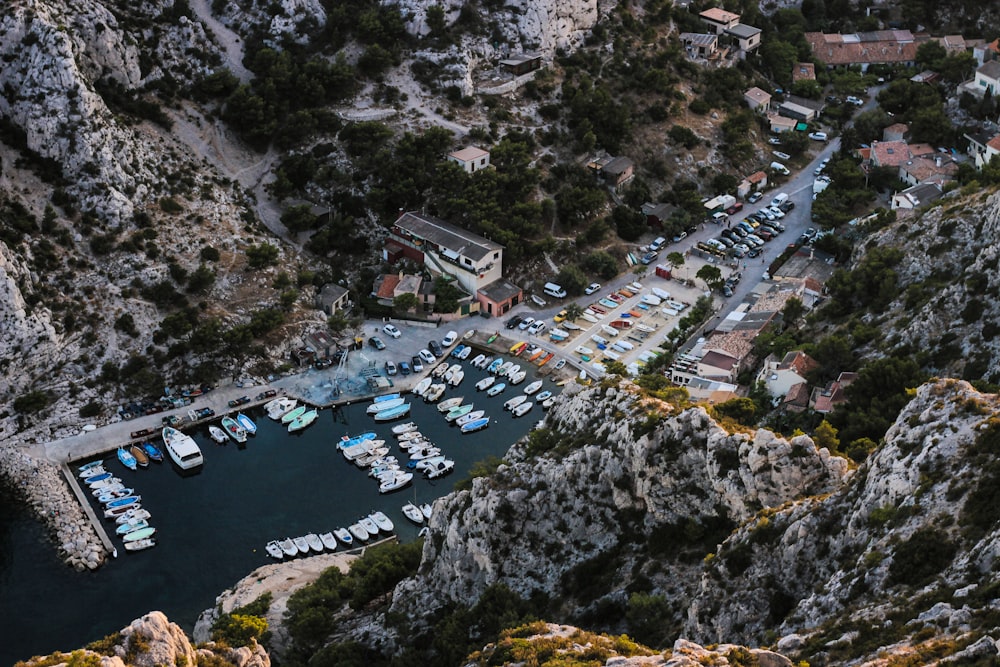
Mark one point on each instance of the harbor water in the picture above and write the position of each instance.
(212, 526)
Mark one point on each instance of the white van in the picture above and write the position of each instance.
(779, 199)
(554, 290)
(777, 166)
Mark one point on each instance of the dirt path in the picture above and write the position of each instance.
(230, 42)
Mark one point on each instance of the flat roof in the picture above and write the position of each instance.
(519, 58)
(469, 153)
(743, 30)
(447, 235)
(500, 290)
(699, 38)
(719, 15)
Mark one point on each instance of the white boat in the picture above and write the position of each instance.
(301, 543)
(514, 402)
(375, 408)
(233, 429)
(471, 417)
(366, 460)
(329, 541)
(288, 547)
(548, 402)
(316, 544)
(513, 370)
(280, 406)
(496, 389)
(426, 510)
(460, 411)
(115, 512)
(273, 550)
(543, 396)
(440, 469)
(611, 331)
(129, 526)
(358, 532)
(403, 429)
(478, 359)
(140, 544)
(132, 515)
(523, 409)
(182, 448)
(382, 521)
(448, 404)
(457, 378)
(519, 377)
(217, 434)
(305, 419)
(91, 469)
(440, 369)
(421, 387)
(558, 334)
(435, 392)
(600, 340)
(410, 435)
(450, 373)
(425, 453)
(413, 445)
(662, 293)
(429, 462)
(494, 365)
(344, 536)
(464, 354)
(533, 387)
(369, 524)
(397, 482)
(504, 367)
(354, 451)
(570, 326)
(645, 327)
(651, 300)
(584, 350)
(560, 364)
(590, 318)
(413, 513)
(588, 313)
(485, 383)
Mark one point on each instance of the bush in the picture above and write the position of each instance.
(917, 560)
(91, 409)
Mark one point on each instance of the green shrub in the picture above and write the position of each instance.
(917, 560)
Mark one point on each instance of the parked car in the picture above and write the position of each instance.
(754, 252)
(449, 338)
(560, 316)
(787, 206)
(376, 342)
(418, 364)
(818, 136)
(774, 141)
(591, 289)
(680, 236)
(404, 367)
(856, 101)
(657, 243)
(390, 368)
(755, 197)
(391, 330)
(649, 257)
(426, 356)
(735, 208)
(537, 327)
(435, 348)
(526, 322)
(323, 363)
(515, 320)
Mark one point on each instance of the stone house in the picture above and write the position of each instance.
(471, 158)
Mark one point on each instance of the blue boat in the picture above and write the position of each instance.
(246, 423)
(457, 351)
(497, 363)
(476, 425)
(97, 478)
(152, 451)
(393, 413)
(127, 459)
(386, 397)
(350, 440)
(124, 502)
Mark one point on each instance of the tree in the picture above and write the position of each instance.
(406, 302)
(572, 279)
(574, 311)
(446, 296)
(200, 280)
(793, 310)
(238, 629)
(675, 259)
(825, 435)
(712, 276)
(260, 256)
(743, 410)
(631, 224)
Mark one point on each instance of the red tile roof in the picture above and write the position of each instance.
(387, 289)
(719, 15)
(853, 50)
(994, 143)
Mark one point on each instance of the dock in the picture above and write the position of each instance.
(88, 509)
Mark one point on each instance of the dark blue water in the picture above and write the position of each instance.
(212, 526)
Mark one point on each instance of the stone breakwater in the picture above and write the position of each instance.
(43, 487)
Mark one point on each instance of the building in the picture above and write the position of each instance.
(796, 111)
(758, 100)
(699, 45)
(983, 147)
(803, 72)
(321, 344)
(747, 38)
(332, 298)
(927, 76)
(779, 377)
(916, 196)
(657, 213)
(755, 182)
(522, 63)
(889, 153)
(895, 132)
(824, 400)
(616, 171)
(471, 158)
(499, 297)
(719, 20)
(863, 49)
(988, 78)
(779, 124)
(938, 169)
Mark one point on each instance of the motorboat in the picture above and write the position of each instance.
(100, 479)
(152, 451)
(476, 425)
(129, 526)
(375, 408)
(114, 494)
(273, 550)
(589, 317)
(560, 364)
(233, 429)
(360, 449)
(115, 512)
(470, 417)
(369, 524)
(533, 387)
(139, 454)
(457, 378)
(496, 389)
(302, 544)
(385, 397)
(280, 407)
(583, 350)
(316, 544)
(543, 396)
(393, 413)
(125, 501)
(127, 459)
(100, 489)
(494, 365)
(449, 404)
(344, 536)
(465, 353)
(86, 469)
(218, 434)
(523, 409)
(329, 541)
(477, 360)
(440, 369)
(410, 435)
(518, 377)
(651, 300)
(140, 534)
(514, 402)
(611, 331)
(366, 460)
(403, 429)
(450, 373)
(426, 464)
(413, 513)
(132, 515)
(570, 326)
(426, 509)
(458, 351)
(440, 469)
(358, 532)
(349, 440)
(288, 547)
(485, 383)
(421, 387)
(382, 521)
(303, 420)
(248, 424)
(400, 480)
(293, 414)
(435, 392)
(139, 545)
(548, 402)
(461, 410)
(424, 453)
(513, 370)
(557, 334)
(504, 367)
(383, 472)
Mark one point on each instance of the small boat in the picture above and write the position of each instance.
(465, 353)
(153, 452)
(123, 502)
(288, 547)
(476, 425)
(350, 440)
(493, 338)
(504, 367)
(139, 545)
(583, 350)
(104, 481)
(611, 331)
(471, 417)
(301, 544)
(608, 303)
(516, 348)
(294, 414)
(233, 429)
(248, 424)
(440, 469)
(421, 388)
(101, 489)
(218, 434)
(494, 365)
(360, 449)
(523, 409)
(560, 364)
(413, 513)
(344, 536)
(435, 392)
(543, 396)
(539, 351)
(385, 397)
(518, 377)
(513, 370)
(409, 435)
(548, 402)
(496, 389)
(570, 326)
(403, 429)
(129, 526)
(132, 515)
(424, 453)
(375, 408)
(382, 521)
(115, 512)
(589, 317)
(426, 509)
(449, 404)
(457, 378)
(139, 454)
(557, 335)
(461, 410)
(114, 494)
(280, 407)
(367, 459)
(316, 544)
(369, 524)
(303, 420)
(478, 359)
(514, 402)
(393, 413)
(533, 387)
(86, 469)
(398, 482)
(485, 383)
(651, 300)
(329, 541)
(627, 324)
(546, 359)
(450, 373)
(274, 550)
(440, 369)
(127, 459)
(457, 351)
(140, 534)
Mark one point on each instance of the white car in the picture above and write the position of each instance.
(778, 213)
(591, 288)
(857, 101)
(537, 327)
(426, 356)
(391, 330)
(449, 339)
(818, 136)
(525, 323)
